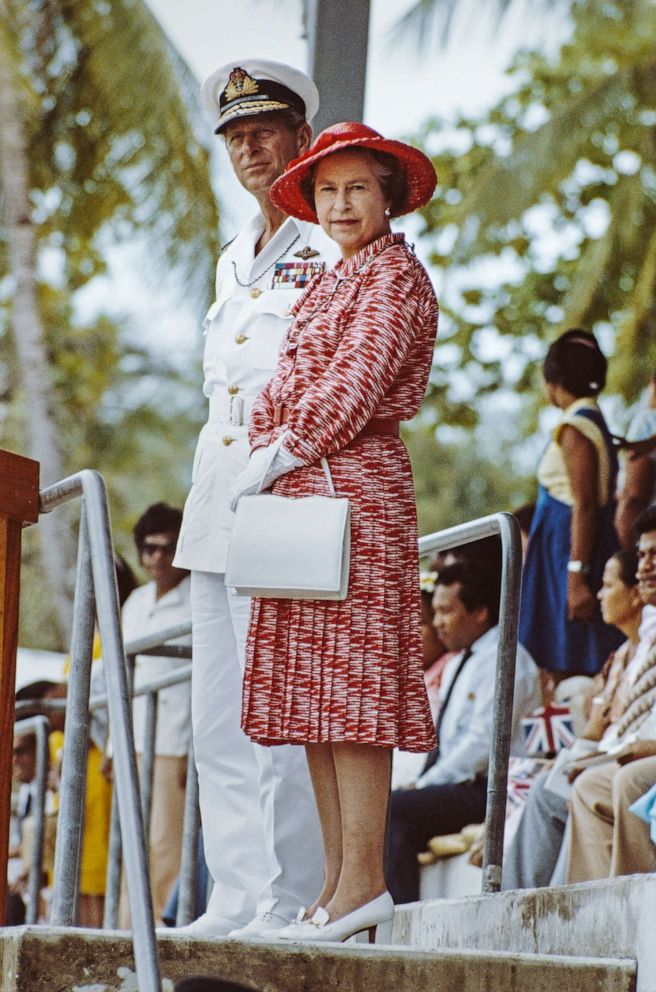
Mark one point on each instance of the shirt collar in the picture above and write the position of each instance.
(485, 641)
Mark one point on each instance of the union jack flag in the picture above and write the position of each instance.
(548, 729)
(522, 773)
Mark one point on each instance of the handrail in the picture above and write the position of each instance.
(506, 527)
(96, 586)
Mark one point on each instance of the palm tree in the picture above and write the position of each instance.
(570, 155)
(99, 143)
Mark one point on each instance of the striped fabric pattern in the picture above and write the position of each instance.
(318, 671)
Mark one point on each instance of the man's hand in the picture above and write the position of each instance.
(635, 751)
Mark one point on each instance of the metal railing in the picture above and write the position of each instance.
(40, 727)
(96, 597)
(506, 527)
(153, 644)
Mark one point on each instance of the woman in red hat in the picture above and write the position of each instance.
(345, 677)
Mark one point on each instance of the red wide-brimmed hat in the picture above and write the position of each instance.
(417, 167)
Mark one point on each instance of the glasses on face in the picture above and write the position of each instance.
(167, 548)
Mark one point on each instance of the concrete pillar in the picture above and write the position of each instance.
(337, 40)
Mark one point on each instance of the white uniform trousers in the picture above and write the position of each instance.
(260, 824)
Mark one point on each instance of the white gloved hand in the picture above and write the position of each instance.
(265, 465)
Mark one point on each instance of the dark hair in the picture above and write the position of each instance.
(158, 518)
(576, 362)
(479, 586)
(35, 690)
(391, 176)
(125, 578)
(628, 562)
(645, 522)
(484, 553)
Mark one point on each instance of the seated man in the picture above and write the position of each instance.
(451, 790)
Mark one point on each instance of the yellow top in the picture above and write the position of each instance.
(552, 473)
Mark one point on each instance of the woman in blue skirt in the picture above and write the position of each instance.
(572, 534)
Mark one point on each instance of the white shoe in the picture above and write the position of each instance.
(376, 917)
(206, 925)
(263, 925)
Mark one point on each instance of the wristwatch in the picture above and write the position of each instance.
(578, 567)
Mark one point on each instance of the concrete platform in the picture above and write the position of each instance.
(612, 918)
(38, 959)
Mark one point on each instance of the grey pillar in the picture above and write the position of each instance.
(337, 45)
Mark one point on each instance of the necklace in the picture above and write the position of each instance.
(257, 278)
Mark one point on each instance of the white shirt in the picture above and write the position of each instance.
(642, 426)
(466, 730)
(244, 329)
(144, 614)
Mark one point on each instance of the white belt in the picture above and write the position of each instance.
(235, 410)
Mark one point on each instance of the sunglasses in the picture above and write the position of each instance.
(152, 547)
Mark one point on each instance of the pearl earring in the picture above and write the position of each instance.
(388, 212)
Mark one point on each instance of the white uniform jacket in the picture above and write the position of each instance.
(466, 730)
(244, 329)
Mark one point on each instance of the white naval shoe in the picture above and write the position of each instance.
(206, 925)
(264, 925)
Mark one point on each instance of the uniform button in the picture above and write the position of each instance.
(233, 390)
(241, 339)
(255, 292)
(227, 440)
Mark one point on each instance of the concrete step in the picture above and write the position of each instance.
(610, 918)
(39, 959)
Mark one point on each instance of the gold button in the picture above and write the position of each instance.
(255, 292)
(241, 339)
(233, 390)
(227, 440)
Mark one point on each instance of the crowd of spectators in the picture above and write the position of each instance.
(576, 820)
(587, 647)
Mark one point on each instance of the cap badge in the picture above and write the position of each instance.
(306, 252)
(240, 84)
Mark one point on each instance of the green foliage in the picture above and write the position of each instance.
(117, 149)
(456, 482)
(553, 190)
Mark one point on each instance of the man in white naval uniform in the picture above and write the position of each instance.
(260, 825)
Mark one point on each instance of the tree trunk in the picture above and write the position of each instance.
(31, 353)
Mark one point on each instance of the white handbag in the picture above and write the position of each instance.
(285, 547)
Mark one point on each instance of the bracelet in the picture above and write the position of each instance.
(578, 567)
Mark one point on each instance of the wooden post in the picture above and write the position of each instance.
(19, 504)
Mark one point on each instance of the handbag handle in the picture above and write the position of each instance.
(329, 478)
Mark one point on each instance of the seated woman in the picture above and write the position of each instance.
(345, 677)
(532, 855)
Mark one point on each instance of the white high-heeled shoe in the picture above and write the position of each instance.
(376, 917)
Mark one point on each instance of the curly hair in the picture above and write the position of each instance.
(158, 518)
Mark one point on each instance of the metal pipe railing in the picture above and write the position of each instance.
(506, 528)
(189, 858)
(40, 727)
(90, 486)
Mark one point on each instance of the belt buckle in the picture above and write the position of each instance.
(236, 411)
